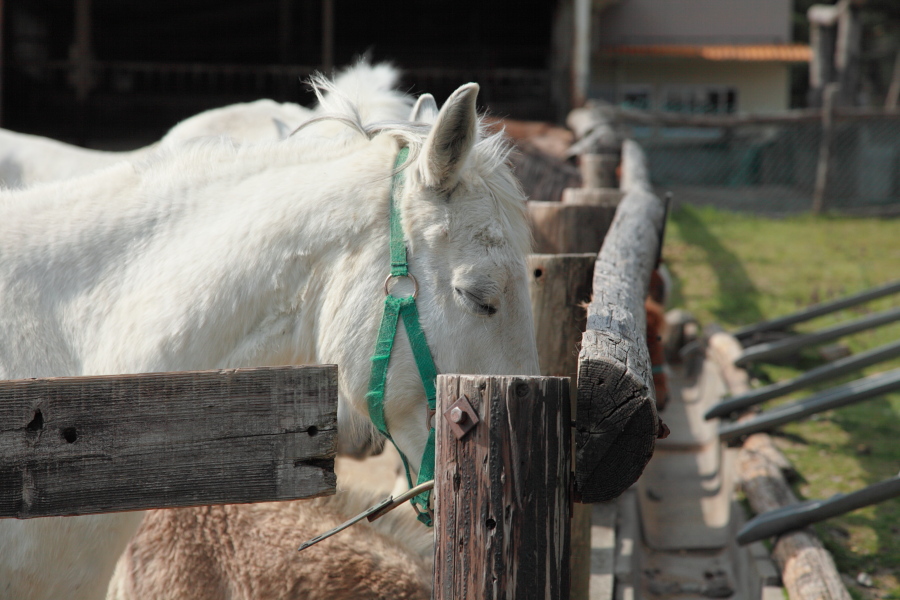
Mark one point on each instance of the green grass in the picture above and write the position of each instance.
(736, 269)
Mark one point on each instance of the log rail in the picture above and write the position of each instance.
(616, 419)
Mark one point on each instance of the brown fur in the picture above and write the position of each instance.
(656, 325)
(546, 137)
(249, 552)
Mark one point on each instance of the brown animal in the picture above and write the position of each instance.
(249, 551)
(656, 325)
(549, 139)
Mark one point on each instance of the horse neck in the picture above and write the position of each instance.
(185, 266)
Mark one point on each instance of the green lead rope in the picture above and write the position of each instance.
(394, 309)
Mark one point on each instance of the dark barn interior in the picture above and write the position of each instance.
(90, 71)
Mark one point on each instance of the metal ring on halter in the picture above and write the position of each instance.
(411, 278)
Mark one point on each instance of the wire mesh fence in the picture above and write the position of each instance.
(773, 166)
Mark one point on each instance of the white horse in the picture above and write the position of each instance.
(27, 159)
(212, 255)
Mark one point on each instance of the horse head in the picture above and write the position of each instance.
(464, 223)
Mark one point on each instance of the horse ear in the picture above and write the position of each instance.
(451, 139)
(425, 110)
(283, 130)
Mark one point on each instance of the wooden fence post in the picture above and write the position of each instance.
(568, 227)
(824, 161)
(560, 289)
(503, 491)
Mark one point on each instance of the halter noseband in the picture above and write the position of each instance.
(394, 309)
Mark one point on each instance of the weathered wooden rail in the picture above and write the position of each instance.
(616, 419)
(88, 445)
(807, 569)
(84, 445)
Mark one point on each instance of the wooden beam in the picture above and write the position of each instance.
(581, 53)
(85, 445)
(616, 419)
(823, 165)
(503, 490)
(327, 36)
(560, 288)
(570, 227)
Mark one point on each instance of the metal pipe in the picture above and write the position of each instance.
(792, 345)
(831, 370)
(849, 393)
(797, 516)
(817, 310)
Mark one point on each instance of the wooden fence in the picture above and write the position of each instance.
(505, 489)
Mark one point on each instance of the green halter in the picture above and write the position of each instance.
(394, 308)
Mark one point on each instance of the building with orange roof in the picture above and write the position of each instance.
(697, 56)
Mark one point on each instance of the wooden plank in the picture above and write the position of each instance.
(569, 228)
(616, 420)
(685, 499)
(603, 550)
(560, 287)
(85, 445)
(503, 491)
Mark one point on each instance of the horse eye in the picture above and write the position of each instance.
(474, 303)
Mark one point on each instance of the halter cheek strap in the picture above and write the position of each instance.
(394, 309)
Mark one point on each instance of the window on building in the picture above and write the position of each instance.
(636, 96)
(700, 99)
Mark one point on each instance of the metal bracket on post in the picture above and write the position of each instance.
(461, 417)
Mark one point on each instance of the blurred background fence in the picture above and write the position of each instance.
(773, 164)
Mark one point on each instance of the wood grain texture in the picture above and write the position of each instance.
(503, 491)
(807, 569)
(84, 445)
(608, 197)
(616, 419)
(560, 290)
(569, 228)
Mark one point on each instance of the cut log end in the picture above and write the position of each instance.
(627, 454)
